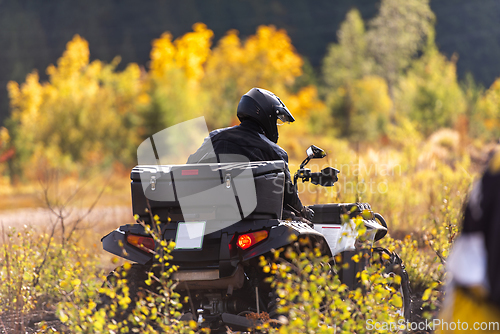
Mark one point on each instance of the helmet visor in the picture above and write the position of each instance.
(284, 115)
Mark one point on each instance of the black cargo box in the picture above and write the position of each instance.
(161, 189)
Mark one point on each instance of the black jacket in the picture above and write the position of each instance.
(482, 214)
(248, 139)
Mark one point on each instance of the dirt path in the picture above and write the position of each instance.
(100, 218)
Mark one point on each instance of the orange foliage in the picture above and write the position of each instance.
(305, 102)
(266, 59)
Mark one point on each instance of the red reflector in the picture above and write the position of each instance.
(143, 243)
(247, 240)
(190, 172)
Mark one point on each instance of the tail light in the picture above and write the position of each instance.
(146, 244)
(249, 239)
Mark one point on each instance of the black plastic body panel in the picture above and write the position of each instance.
(348, 275)
(281, 236)
(116, 243)
(332, 213)
(218, 250)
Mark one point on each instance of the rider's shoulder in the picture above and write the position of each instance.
(278, 149)
(219, 131)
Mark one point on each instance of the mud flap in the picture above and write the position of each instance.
(239, 323)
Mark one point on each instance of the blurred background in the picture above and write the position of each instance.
(402, 95)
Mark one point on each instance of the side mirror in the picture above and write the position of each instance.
(314, 152)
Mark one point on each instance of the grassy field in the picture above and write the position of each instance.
(410, 140)
(418, 186)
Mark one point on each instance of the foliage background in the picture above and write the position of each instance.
(35, 33)
(409, 135)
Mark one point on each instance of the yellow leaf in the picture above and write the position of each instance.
(427, 294)
(396, 301)
(63, 317)
(306, 295)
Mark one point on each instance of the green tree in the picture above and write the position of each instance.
(430, 93)
(361, 108)
(347, 60)
(358, 99)
(396, 35)
(470, 123)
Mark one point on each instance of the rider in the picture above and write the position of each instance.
(255, 138)
(473, 292)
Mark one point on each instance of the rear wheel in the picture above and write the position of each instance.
(136, 276)
(279, 318)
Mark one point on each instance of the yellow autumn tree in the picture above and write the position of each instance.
(266, 59)
(270, 59)
(189, 79)
(310, 113)
(88, 113)
(487, 116)
(83, 115)
(222, 84)
(188, 53)
(176, 70)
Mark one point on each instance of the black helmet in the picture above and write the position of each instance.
(265, 108)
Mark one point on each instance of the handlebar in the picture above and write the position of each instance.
(327, 177)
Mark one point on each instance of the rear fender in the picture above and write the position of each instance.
(116, 243)
(283, 236)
